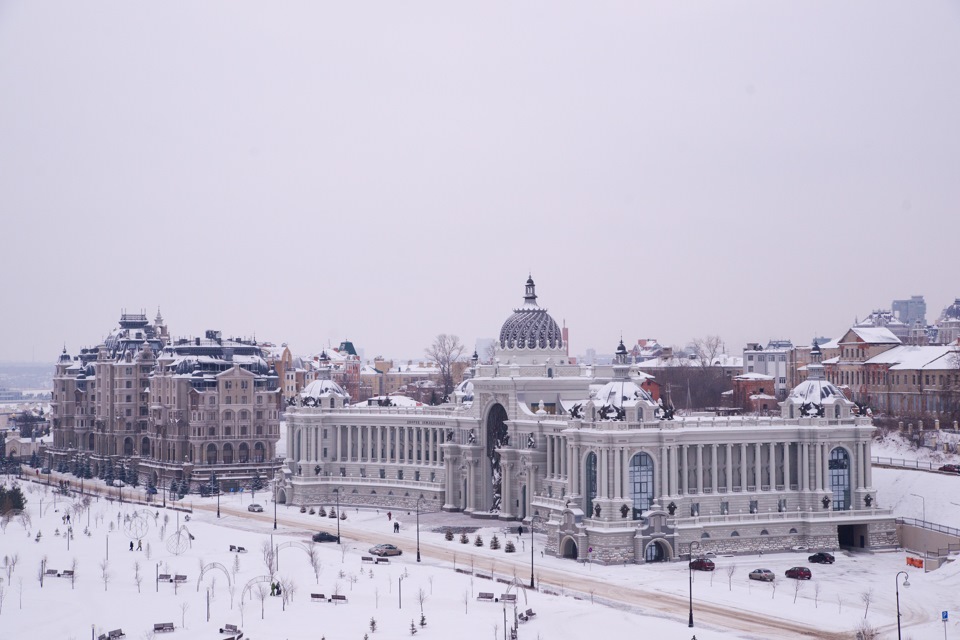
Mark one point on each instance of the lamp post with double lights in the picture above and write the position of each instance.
(274, 502)
(215, 485)
(906, 583)
(419, 500)
(690, 571)
(923, 505)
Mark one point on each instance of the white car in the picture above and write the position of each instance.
(118, 483)
(256, 508)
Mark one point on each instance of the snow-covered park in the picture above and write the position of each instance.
(116, 588)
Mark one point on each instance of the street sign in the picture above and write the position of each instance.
(944, 616)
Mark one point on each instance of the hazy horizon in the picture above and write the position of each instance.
(382, 173)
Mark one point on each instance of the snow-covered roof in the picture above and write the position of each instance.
(619, 393)
(753, 376)
(912, 357)
(816, 391)
(875, 335)
(319, 388)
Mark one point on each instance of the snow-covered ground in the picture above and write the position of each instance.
(571, 603)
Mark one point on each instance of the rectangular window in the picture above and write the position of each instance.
(229, 400)
(227, 431)
(259, 399)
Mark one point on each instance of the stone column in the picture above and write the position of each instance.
(601, 474)
(729, 465)
(818, 468)
(862, 465)
(786, 466)
(505, 488)
(714, 472)
(664, 475)
(685, 469)
(803, 471)
(743, 466)
(699, 469)
(757, 477)
(825, 479)
(335, 431)
(772, 466)
(617, 473)
(869, 469)
(673, 470)
(563, 457)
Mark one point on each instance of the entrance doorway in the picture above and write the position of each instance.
(656, 551)
(568, 549)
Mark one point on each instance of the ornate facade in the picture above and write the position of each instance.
(586, 454)
(170, 409)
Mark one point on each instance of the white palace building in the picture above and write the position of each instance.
(584, 454)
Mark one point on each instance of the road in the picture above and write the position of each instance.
(638, 598)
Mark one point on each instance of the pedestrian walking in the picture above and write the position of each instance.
(139, 545)
(389, 516)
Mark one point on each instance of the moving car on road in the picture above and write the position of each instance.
(323, 536)
(702, 564)
(385, 550)
(799, 573)
(256, 508)
(821, 558)
(762, 574)
(950, 468)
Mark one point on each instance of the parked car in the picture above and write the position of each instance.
(821, 558)
(702, 564)
(256, 508)
(799, 573)
(323, 536)
(762, 574)
(950, 468)
(385, 550)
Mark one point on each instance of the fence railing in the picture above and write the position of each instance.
(930, 526)
(905, 464)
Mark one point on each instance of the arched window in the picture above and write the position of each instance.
(836, 411)
(735, 534)
(764, 532)
(211, 453)
(128, 446)
(228, 453)
(591, 481)
(259, 453)
(244, 452)
(145, 447)
(641, 483)
(840, 478)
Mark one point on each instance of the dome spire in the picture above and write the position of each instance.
(530, 293)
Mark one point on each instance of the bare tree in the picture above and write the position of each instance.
(137, 578)
(262, 597)
(352, 579)
(773, 589)
(104, 573)
(269, 557)
(236, 566)
(466, 601)
(816, 594)
(430, 580)
(3, 594)
(839, 604)
(445, 351)
(421, 598)
(183, 613)
(797, 587)
(337, 590)
(731, 569)
(12, 564)
(314, 557)
(866, 631)
(866, 598)
(376, 597)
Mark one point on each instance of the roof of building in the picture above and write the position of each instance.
(530, 326)
(875, 335)
(911, 357)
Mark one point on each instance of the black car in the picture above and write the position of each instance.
(821, 558)
(323, 536)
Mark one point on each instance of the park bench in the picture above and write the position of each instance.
(466, 571)
(524, 617)
(485, 597)
(237, 549)
(116, 633)
(66, 573)
(508, 597)
(164, 577)
(383, 560)
(160, 627)
(179, 578)
(336, 599)
(50, 572)
(317, 597)
(366, 559)
(230, 628)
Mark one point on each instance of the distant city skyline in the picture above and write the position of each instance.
(386, 173)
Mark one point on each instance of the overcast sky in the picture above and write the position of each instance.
(386, 171)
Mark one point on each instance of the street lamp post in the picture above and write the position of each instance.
(274, 502)
(533, 519)
(337, 491)
(399, 590)
(690, 572)
(216, 487)
(923, 502)
(906, 583)
(418, 527)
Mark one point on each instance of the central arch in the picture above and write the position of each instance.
(656, 551)
(568, 549)
(496, 438)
